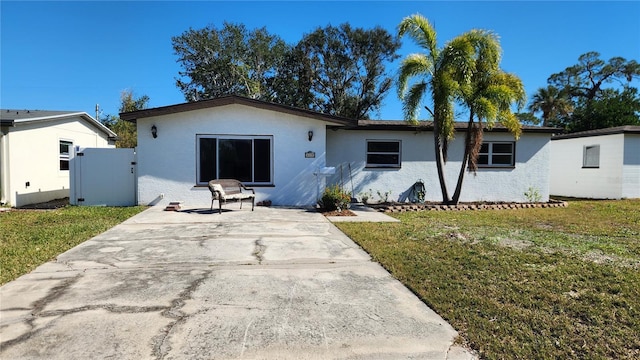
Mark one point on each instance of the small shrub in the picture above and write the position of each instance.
(384, 196)
(533, 195)
(334, 198)
(365, 196)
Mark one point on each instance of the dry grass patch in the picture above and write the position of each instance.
(29, 238)
(526, 283)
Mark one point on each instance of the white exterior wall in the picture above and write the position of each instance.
(31, 154)
(418, 162)
(167, 164)
(631, 167)
(569, 178)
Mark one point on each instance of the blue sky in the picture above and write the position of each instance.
(74, 55)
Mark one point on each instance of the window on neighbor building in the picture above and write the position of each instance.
(497, 154)
(65, 148)
(591, 156)
(244, 158)
(383, 153)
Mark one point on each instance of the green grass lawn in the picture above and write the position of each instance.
(552, 283)
(29, 238)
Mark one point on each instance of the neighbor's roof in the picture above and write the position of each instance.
(11, 118)
(628, 129)
(400, 125)
(133, 116)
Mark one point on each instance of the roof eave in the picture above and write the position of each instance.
(133, 116)
(83, 115)
(627, 129)
(398, 125)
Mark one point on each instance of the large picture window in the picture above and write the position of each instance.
(591, 156)
(383, 153)
(65, 148)
(244, 158)
(497, 154)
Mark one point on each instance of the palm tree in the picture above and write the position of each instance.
(466, 69)
(553, 103)
(488, 95)
(433, 72)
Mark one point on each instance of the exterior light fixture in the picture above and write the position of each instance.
(310, 134)
(154, 131)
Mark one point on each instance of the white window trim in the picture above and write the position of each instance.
(66, 157)
(383, 166)
(585, 149)
(234, 137)
(490, 155)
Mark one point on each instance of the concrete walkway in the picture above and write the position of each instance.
(270, 284)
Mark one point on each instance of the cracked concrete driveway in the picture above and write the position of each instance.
(270, 284)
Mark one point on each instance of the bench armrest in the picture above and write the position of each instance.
(247, 188)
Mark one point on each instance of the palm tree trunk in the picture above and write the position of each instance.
(440, 162)
(465, 159)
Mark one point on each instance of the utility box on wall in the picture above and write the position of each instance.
(103, 177)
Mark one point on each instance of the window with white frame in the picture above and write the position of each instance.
(497, 154)
(384, 153)
(245, 158)
(65, 148)
(591, 156)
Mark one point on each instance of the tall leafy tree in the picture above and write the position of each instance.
(345, 69)
(465, 69)
(231, 60)
(587, 79)
(336, 70)
(612, 108)
(126, 131)
(593, 88)
(554, 105)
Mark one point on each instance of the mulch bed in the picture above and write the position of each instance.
(49, 205)
(338, 213)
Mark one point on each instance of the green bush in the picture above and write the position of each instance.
(334, 198)
(533, 195)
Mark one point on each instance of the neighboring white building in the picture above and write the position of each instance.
(282, 151)
(35, 147)
(598, 164)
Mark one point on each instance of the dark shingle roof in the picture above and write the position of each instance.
(428, 126)
(133, 116)
(627, 129)
(10, 118)
(339, 121)
(10, 114)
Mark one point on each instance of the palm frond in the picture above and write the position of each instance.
(511, 122)
(514, 83)
(488, 52)
(457, 57)
(486, 110)
(443, 92)
(418, 28)
(411, 101)
(412, 66)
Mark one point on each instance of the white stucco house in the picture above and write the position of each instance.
(35, 146)
(598, 164)
(286, 155)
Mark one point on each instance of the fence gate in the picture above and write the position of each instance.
(103, 176)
